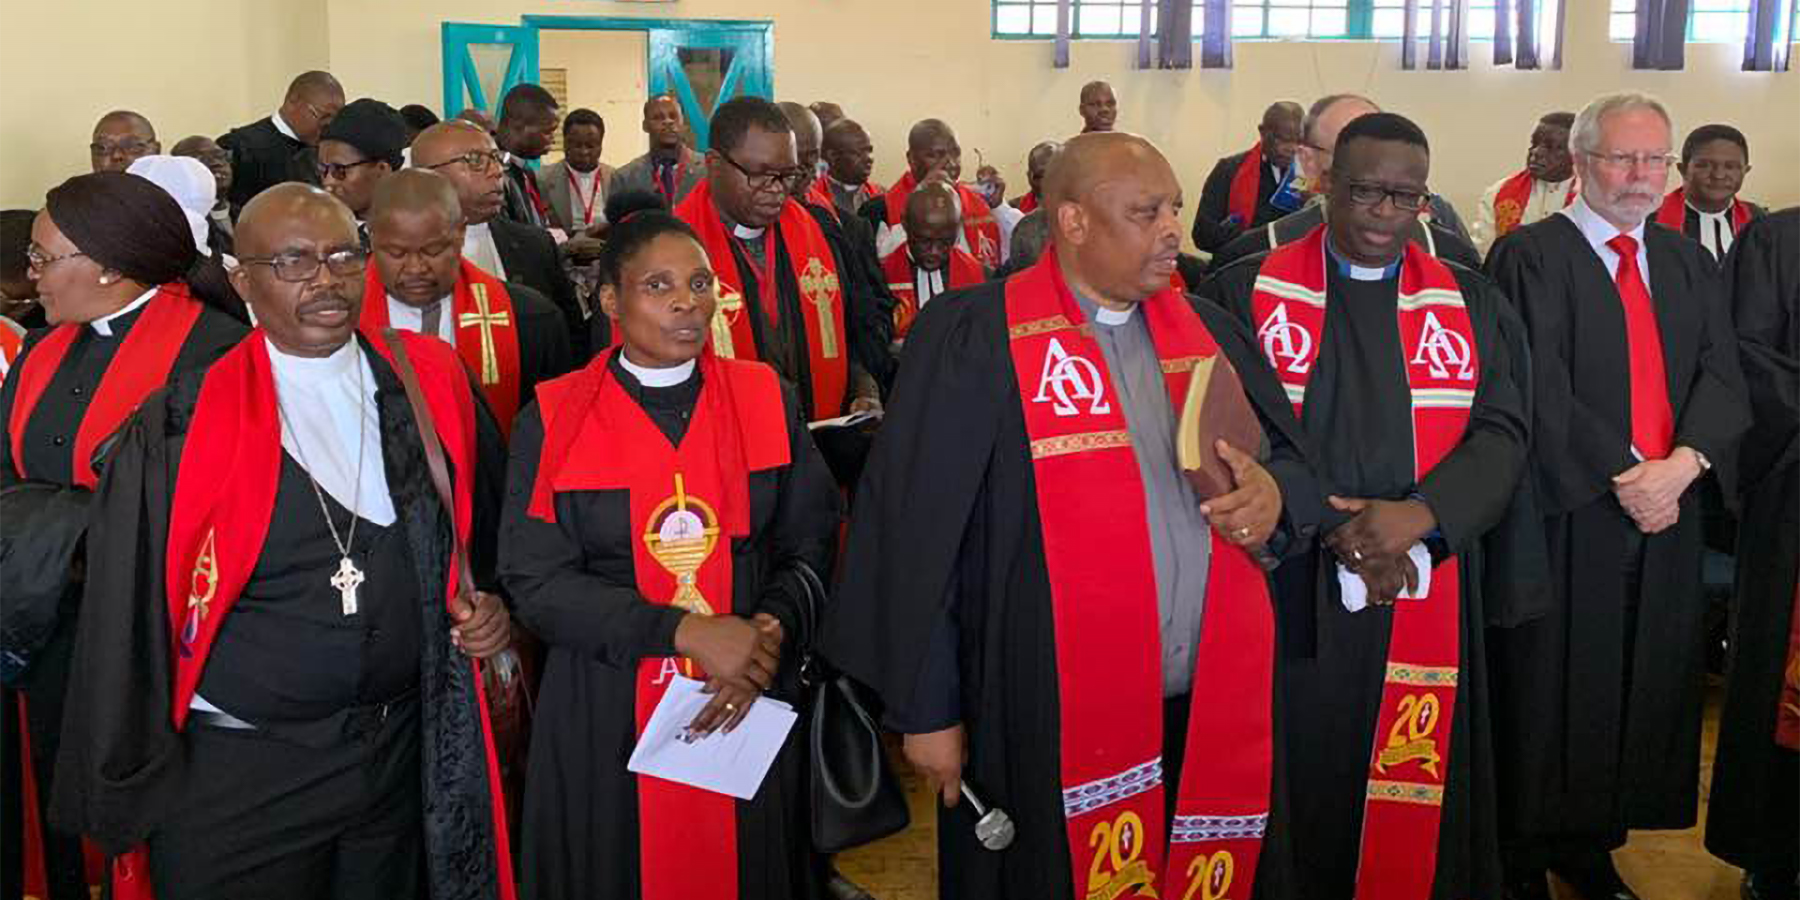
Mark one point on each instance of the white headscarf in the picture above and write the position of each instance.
(192, 185)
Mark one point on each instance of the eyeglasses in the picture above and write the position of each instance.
(1371, 195)
(35, 258)
(1651, 161)
(780, 181)
(123, 148)
(479, 161)
(340, 171)
(300, 267)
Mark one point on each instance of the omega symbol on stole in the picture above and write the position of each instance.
(1066, 379)
(681, 534)
(1284, 340)
(1442, 350)
(203, 585)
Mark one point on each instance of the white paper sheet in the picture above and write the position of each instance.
(733, 764)
(1356, 594)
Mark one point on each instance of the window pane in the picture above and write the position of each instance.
(1718, 26)
(1329, 23)
(1387, 23)
(1245, 22)
(1624, 25)
(1095, 20)
(1012, 19)
(1287, 22)
(1132, 16)
(1481, 24)
(1043, 19)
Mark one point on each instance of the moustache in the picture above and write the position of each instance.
(330, 299)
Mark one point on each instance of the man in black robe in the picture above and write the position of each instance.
(528, 120)
(415, 227)
(1278, 136)
(333, 742)
(1637, 396)
(505, 249)
(120, 138)
(1439, 230)
(279, 147)
(1752, 820)
(947, 607)
(1358, 416)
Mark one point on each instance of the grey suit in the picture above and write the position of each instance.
(639, 175)
(553, 180)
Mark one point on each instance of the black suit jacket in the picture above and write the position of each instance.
(531, 259)
(1211, 231)
(262, 157)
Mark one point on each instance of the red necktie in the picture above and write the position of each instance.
(1652, 421)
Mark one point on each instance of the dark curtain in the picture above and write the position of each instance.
(1769, 33)
(1660, 41)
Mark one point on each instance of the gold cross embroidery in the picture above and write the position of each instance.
(820, 287)
(730, 302)
(486, 320)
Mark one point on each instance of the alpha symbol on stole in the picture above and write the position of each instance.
(1066, 379)
(1284, 340)
(1441, 350)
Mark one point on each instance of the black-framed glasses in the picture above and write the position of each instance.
(299, 267)
(341, 171)
(1655, 162)
(123, 148)
(475, 161)
(1371, 195)
(35, 258)
(779, 181)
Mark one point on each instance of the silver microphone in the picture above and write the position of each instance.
(994, 829)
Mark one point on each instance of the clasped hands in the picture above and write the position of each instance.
(740, 657)
(1651, 491)
(1375, 542)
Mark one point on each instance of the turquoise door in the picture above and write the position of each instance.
(704, 64)
(483, 62)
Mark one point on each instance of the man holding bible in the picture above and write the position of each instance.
(1060, 538)
(1401, 369)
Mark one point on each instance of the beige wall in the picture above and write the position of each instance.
(191, 66)
(889, 63)
(605, 74)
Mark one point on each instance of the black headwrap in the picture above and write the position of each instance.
(129, 225)
(372, 127)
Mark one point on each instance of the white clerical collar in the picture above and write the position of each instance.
(1720, 216)
(1109, 317)
(657, 378)
(103, 325)
(844, 187)
(282, 126)
(747, 234)
(313, 369)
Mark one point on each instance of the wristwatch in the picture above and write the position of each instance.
(1705, 464)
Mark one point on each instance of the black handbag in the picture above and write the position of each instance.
(854, 797)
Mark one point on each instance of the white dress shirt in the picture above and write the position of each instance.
(1598, 231)
(412, 318)
(323, 414)
(103, 325)
(1715, 231)
(282, 126)
(478, 248)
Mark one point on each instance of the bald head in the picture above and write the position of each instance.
(1279, 132)
(414, 192)
(477, 118)
(932, 224)
(270, 218)
(1283, 112)
(1114, 214)
(827, 111)
(848, 152)
(120, 138)
(313, 85)
(807, 130)
(312, 100)
(447, 140)
(1319, 129)
(1037, 164)
(294, 226)
(931, 146)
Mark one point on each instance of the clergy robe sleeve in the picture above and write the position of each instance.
(544, 344)
(490, 491)
(1445, 214)
(120, 754)
(543, 567)
(1765, 282)
(1575, 450)
(1211, 230)
(807, 513)
(9, 388)
(1717, 411)
(1470, 488)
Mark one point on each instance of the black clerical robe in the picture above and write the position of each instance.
(966, 556)
(531, 258)
(1598, 705)
(574, 586)
(1753, 820)
(1211, 230)
(262, 157)
(45, 518)
(301, 678)
(1358, 422)
(1442, 242)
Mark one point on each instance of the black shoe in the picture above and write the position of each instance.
(1594, 877)
(1770, 886)
(840, 888)
(1530, 886)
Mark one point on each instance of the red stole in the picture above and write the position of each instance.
(1512, 196)
(1105, 614)
(12, 340)
(820, 196)
(979, 228)
(901, 282)
(219, 518)
(1026, 203)
(140, 366)
(1410, 759)
(1787, 715)
(815, 273)
(1246, 187)
(689, 503)
(487, 335)
(1673, 212)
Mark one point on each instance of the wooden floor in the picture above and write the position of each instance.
(1660, 865)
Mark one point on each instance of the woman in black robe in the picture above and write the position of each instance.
(1752, 820)
(573, 579)
(108, 251)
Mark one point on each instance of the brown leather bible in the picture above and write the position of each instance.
(1215, 409)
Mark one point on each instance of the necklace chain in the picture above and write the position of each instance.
(362, 424)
